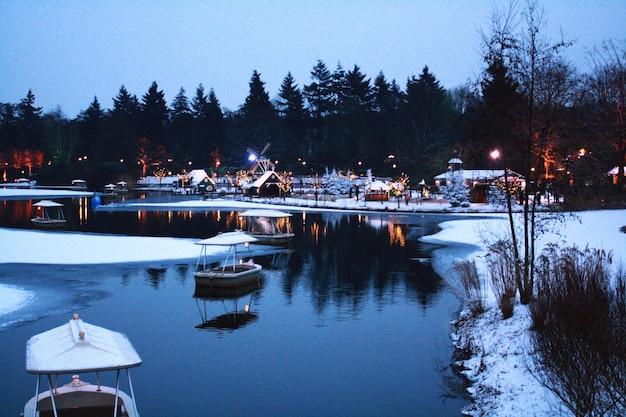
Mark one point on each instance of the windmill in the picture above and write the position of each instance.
(260, 161)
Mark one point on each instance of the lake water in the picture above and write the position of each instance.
(351, 322)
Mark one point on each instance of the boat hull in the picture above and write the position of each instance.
(48, 223)
(81, 401)
(278, 239)
(228, 277)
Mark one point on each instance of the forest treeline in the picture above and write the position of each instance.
(549, 121)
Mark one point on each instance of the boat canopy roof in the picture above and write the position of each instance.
(79, 347)
(48, 203)
(265, 213)
(228, 239)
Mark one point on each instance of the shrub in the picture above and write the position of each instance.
(468, 286)
(501, 269)
(579, 318)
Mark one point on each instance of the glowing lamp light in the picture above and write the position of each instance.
(495, 154)
(251, 158)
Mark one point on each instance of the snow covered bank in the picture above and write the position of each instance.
(17, 193)
(501, 371)
(13, 298)
(45, 247)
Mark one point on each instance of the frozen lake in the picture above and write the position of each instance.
(353, 321)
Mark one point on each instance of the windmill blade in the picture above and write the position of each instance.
(253, 152)
(265, 149)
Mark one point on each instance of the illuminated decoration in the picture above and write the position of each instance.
(285, 183)
(160, 173)
(399, 186)
(184, 177)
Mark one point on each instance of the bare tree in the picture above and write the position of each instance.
(531, 61)
(608, 84)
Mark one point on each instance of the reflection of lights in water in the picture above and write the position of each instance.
(83, 213)
(396, 235)
(315, 232)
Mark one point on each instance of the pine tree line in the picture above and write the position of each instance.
(341, 119)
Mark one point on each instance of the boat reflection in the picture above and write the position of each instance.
(232, 317)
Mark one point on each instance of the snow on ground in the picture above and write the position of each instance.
(9, 193)
(501, 374)
(502, 384)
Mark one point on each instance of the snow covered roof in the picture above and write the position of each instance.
(260, 181)
(197, 176)
(48, 203)
(154, 180)
(614, 171)
(265, 213)
(228, 238)
(79, 347)
(378, 185)
(479, 174)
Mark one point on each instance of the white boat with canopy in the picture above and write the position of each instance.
(270, 227)
(49, 214)
(76, 348)
(234, 271)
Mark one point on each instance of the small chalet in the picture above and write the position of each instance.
(200, 181)
(614, 174)
(265, 186)
(377, 191)
(479, 179)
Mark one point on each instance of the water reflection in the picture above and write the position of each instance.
(228, 301)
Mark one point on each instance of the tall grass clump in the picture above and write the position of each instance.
(468, 286)
(579, 334)
(500, 260)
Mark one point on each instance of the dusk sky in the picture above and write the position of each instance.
(67, 52)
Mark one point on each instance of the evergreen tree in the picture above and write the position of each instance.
(124, 128)
(8, 129)
(209, 128)
(199, 103)
(457, 191)
(154, 114)
(319, 93)
(352, 128)
(181, 127)
(290, 105)
(320, 101)
(61, 138)
(387, 99)
(216, 132)
(259, 118)
(30, 123)
(93, 140)
(258, 100)
(428, 128)
(425, 98)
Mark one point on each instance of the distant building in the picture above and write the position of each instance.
(479, 179)
(265, 186)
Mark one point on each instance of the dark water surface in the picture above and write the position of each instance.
(351, 322)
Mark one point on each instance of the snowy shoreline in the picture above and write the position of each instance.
(500, 369)
(500, 372)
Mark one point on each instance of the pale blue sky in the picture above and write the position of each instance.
(67, 52)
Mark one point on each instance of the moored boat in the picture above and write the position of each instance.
(270, 227)
(77, 348)
(49, 214)
(234, 271)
